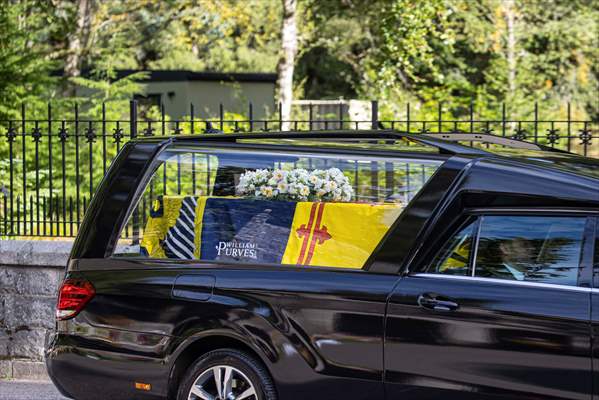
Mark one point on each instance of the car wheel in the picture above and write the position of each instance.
(227, 374)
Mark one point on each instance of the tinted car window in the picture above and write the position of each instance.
(530, 248)
(276, 208)
(454, 258)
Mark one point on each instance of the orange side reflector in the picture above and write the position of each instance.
(143, 386)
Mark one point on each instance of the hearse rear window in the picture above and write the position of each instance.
(231, 206)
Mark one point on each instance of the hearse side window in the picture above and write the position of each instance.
(530, 248)
(270, 208)
(543, 249)
(454, 258)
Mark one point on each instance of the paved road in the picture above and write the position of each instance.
(21, 390)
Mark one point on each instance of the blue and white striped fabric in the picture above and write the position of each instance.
(180, 238)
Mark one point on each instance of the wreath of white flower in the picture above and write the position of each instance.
(297, 184)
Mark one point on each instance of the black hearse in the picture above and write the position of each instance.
(334, 265)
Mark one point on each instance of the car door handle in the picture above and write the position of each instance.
(436, 302)
(199, 287)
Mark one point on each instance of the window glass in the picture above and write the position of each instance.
(275, 208)
(454, 258)
(527, 248)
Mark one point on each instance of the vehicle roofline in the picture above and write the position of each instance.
(446, 143)
(378, 153)
(500, 159)
(444, 147)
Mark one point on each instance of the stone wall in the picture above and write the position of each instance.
(30, 273)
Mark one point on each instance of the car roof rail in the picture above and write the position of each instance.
(486, 138)
(444, 141)
(376, 134)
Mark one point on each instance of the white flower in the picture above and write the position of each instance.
(330, 186)
(304, 190)
(340, 179)
(266, 191)
(279, 175)
(296, 184)
(261, 175)
(335, 171)
(282, 187)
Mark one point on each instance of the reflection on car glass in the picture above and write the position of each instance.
(454, 259)
(526, 248)
(257, 208)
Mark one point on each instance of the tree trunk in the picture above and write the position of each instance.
(78, 43)
(287, 60)
(509, 15)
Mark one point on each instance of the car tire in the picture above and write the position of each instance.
(238, 372)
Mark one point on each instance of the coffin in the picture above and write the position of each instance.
(229, 229)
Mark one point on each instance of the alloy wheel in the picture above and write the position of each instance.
(222, 382)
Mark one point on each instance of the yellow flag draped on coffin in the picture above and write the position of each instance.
(337, 234)
(322, 234)
(164, 214)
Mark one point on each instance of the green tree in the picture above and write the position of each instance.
(455, 52)
(25, 69)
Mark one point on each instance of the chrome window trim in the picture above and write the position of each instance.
(507, 282)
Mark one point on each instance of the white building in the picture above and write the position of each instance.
(178, 89)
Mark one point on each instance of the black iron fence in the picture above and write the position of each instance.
(50, 167)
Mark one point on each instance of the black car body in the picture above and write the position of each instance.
(432, 313)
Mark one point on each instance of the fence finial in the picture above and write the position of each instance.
(58, 149)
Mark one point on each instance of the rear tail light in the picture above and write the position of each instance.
(73, 295)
